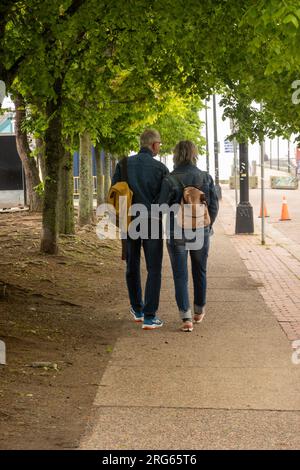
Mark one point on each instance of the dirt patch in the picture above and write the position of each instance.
(59, 318)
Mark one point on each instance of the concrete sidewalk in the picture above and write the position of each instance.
(230, 384)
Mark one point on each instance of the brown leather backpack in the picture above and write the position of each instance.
(193, 212)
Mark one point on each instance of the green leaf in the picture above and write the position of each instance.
(291, 19)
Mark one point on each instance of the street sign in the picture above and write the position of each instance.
(284, 182)
(228, 145)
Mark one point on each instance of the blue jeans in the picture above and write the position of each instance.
(153, 251)
(179, 257)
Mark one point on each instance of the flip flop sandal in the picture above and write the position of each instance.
(199, 317)
(187, 326)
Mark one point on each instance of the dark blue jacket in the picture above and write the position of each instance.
(145, 177)
(190, 175)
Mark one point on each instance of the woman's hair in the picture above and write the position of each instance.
(185, 152)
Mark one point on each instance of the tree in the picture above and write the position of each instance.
(179, 120)
(85, 181)
(34, 199)
(65, 194)
(34, 54)
(77, 52)
(100, 176)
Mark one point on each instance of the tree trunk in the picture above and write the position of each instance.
(100, 177)
(85, 180)
(34, 200)
(107, 180)
(91, 182)
(54, 153)
(66, 224)
(39, 142)
(113, 165)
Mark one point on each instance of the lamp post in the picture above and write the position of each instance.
(233, 128)
(216, 150)
(262, 169)
(244, 211)
(262, 174)
(235, 171)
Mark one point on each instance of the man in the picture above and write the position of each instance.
(145, 176)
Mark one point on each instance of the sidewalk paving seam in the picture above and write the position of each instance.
(263, 410)
(212, 368)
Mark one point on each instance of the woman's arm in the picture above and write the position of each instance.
(213, 207)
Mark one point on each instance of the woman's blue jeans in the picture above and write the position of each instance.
(178, 253)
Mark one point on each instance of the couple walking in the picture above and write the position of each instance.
(151, 183)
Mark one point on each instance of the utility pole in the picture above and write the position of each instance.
(216, 150)
(206, 136)
(244, 210)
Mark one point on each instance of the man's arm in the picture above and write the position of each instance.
(163, 175)
(117, 176)
(213, 207)
(165, 193)
(165, 172)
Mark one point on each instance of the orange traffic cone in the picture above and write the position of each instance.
(265, 212)
(284, 211)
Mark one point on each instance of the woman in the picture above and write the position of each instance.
(187, 175)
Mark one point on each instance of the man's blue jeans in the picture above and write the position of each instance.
(153, 251)
(179, 261)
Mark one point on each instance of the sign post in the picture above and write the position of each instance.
(206, 137)
(217, 150)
